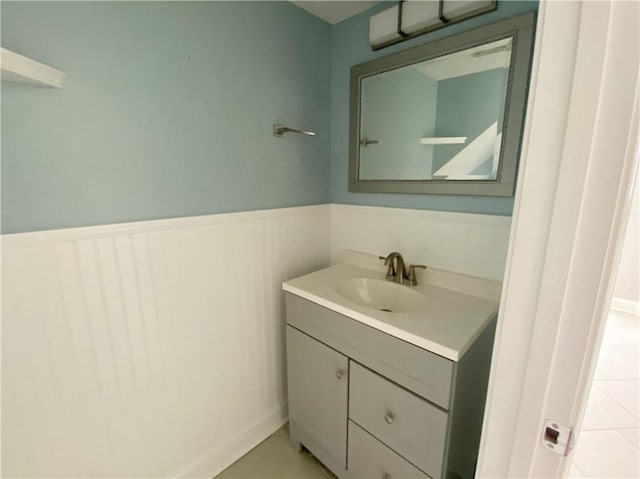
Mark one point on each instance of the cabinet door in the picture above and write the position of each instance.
(318, 386)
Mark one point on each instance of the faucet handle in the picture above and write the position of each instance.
(413, 280)
(391, 270)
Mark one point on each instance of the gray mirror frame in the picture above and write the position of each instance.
(521, 29)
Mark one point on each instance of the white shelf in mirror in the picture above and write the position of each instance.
(18, 68)
(443, 140)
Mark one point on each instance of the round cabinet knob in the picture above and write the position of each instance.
(340, 373)
(388, 417)
(386, 475)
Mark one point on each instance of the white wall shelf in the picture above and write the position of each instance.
(18, 68)
(444, 140)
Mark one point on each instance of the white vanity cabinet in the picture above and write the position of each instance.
(372, 406)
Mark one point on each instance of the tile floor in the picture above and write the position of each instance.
(274, 458)
(608, 445)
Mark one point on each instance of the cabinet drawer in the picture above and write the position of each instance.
(416, 369)
(406, 423)
(370, 459)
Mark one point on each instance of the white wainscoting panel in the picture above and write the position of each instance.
(151, 349)
(464, 243)
(156, 349)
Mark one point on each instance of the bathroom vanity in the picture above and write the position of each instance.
(385, 394)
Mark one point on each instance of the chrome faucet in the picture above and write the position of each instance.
(397, 270)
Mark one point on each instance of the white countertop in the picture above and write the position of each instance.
(447, 326)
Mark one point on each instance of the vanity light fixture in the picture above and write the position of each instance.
(411, 18)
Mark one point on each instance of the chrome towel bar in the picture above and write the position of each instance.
(278, 130)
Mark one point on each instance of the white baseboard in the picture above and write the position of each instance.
(626, 305)
(225, 453)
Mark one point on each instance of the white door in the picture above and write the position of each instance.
(579, 153)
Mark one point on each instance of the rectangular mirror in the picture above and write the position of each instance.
(445, 117)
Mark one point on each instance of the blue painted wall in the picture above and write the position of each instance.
(166, 111)
(350, 47)
(398, 107)
(467, 106)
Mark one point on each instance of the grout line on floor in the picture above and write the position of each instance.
(635, 414)
(575, 466)
(625, 437)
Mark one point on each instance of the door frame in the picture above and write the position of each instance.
(579, 155)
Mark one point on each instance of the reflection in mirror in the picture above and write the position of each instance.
(437, 119)
(445, 117)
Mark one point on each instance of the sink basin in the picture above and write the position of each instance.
(381, 295)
